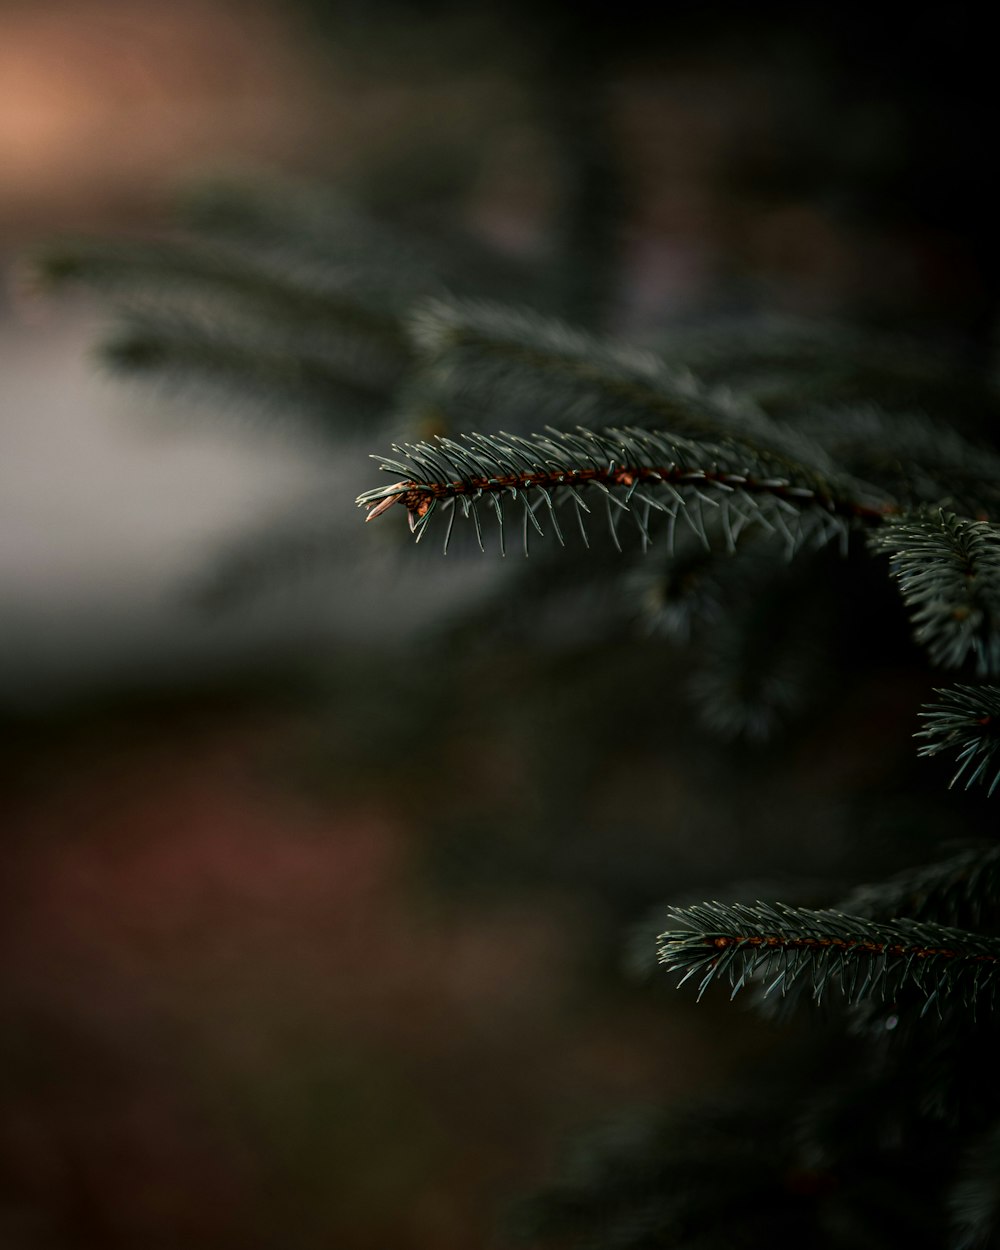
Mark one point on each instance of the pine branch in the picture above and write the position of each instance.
(948, 569)
(967, 720)
(864, 958)
(278, 213)
(782, 344)
(517, 362)
(312, 332)
(310, 226)
(638, 472)
(333, 294)
(298, 223)
(915, 459)
(254, 358)
(962, 891)
(787, 363)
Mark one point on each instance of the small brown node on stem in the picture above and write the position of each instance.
(416, 501)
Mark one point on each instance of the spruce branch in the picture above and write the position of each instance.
(518, 362)
(917, 460)
(962, 891)
(792, 366)
(948, 569)
(262, 325)
(864, 958)
(334, 294)
(278, 214)
(638, 472)
(807, 350)
(301, 224)
(966, 720)
(314, 366)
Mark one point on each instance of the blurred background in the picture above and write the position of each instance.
(314, 925)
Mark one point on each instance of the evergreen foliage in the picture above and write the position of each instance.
(962, 891)
(948, 569)
(965, 720)
(863, 957)
(716, 514)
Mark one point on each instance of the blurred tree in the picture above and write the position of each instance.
(753, 488)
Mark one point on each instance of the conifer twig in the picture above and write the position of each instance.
(966, 720)
(864, 958)
(519, 362)
(960, 891)
(948, 569)
(334, 294)
(637, 471)
(314, 366)
(919, 461)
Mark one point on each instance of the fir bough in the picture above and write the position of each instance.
(789, 482)
(966, 720)
(948, 569)
(638, 472)
(861, 957)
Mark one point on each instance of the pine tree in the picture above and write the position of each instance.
(731, 491)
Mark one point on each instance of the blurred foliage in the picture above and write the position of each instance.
(538, 754)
